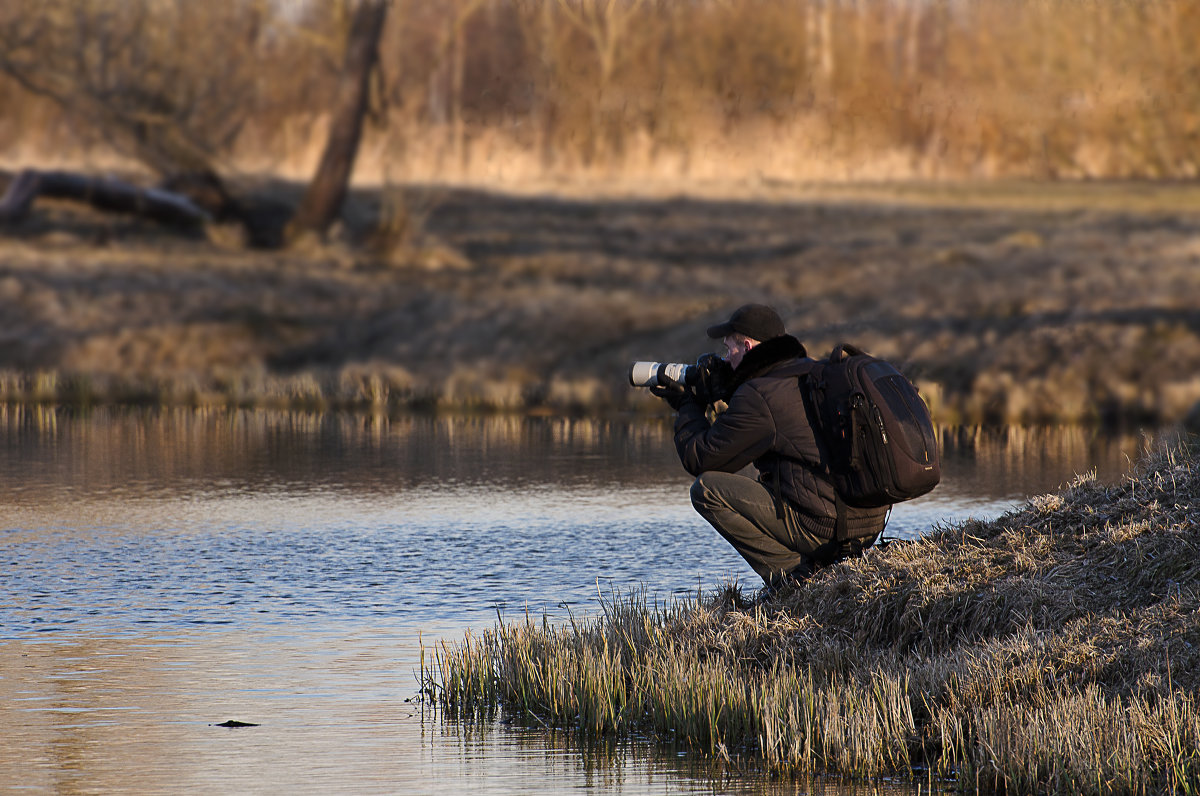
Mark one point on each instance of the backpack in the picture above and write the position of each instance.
(877, 436)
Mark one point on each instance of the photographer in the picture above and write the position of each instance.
(784, 522)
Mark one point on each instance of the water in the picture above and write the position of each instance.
(164, 572)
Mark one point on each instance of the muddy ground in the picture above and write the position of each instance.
(1005, 303)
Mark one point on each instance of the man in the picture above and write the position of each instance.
(784, 522)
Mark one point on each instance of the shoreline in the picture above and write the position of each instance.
(78, 392)
(1053, 649)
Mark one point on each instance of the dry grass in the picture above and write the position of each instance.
(508, 92)
(1027, 302)
(1006, 303)
(1052, 650)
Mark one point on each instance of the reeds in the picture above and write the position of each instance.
(558, 297)
(1056, 649)
(625, 673)
(1081, 741)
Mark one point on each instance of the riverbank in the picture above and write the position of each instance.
(1005, 302)
(1054, 649)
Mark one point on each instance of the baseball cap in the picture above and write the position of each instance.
(756, 321)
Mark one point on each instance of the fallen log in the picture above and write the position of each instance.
(103, 193)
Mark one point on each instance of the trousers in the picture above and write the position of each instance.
(746, 514)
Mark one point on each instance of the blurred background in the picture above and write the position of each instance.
(508, 91)
(999, 194)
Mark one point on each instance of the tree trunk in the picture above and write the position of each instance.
(322, 201)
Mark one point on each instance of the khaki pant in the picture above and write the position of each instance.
(746, 514)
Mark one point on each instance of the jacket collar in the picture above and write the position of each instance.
(765, 356)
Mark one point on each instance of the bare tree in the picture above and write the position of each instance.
(323, 200)
(605, 23)
(445, 90)
(136, 76)
(171, 85)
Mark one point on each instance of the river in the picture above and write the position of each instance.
(165, 571)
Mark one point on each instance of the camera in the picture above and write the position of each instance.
(657, 374)
(709, 380)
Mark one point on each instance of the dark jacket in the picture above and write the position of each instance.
(766, 425)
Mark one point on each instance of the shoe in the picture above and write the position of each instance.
(802, 573)
(767, 593)
(789, 581)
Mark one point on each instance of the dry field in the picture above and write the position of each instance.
(1006, 302)
(625, 173)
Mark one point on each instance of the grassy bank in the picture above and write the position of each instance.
(1055, 649)
(1006, 302)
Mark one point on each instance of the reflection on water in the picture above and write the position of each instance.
(136, 712)
(139, 714)
(166, 571)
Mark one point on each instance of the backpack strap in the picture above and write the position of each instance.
(816, 422)
(845, 350)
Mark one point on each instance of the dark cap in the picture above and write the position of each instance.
(756, 321)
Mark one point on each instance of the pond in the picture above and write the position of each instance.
(168, 571)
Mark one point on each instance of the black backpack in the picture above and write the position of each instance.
(878, 438)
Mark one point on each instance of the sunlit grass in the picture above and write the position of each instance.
(1054, 649)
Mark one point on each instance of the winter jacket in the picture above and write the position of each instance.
(766, 425)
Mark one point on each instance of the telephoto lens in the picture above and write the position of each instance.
(657, 374)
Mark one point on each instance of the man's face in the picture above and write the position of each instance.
(736, 347)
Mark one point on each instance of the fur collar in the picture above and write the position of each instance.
(765, 356)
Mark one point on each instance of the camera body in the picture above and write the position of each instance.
(709, 380)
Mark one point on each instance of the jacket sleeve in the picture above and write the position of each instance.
(741, 434)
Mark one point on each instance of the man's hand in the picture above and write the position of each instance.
(711, 380)
(674, 394)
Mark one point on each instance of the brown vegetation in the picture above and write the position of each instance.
(506, 91)
(1054, 649)
(1023, 302)
(1005, 303)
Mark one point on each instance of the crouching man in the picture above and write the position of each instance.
(784, 521)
